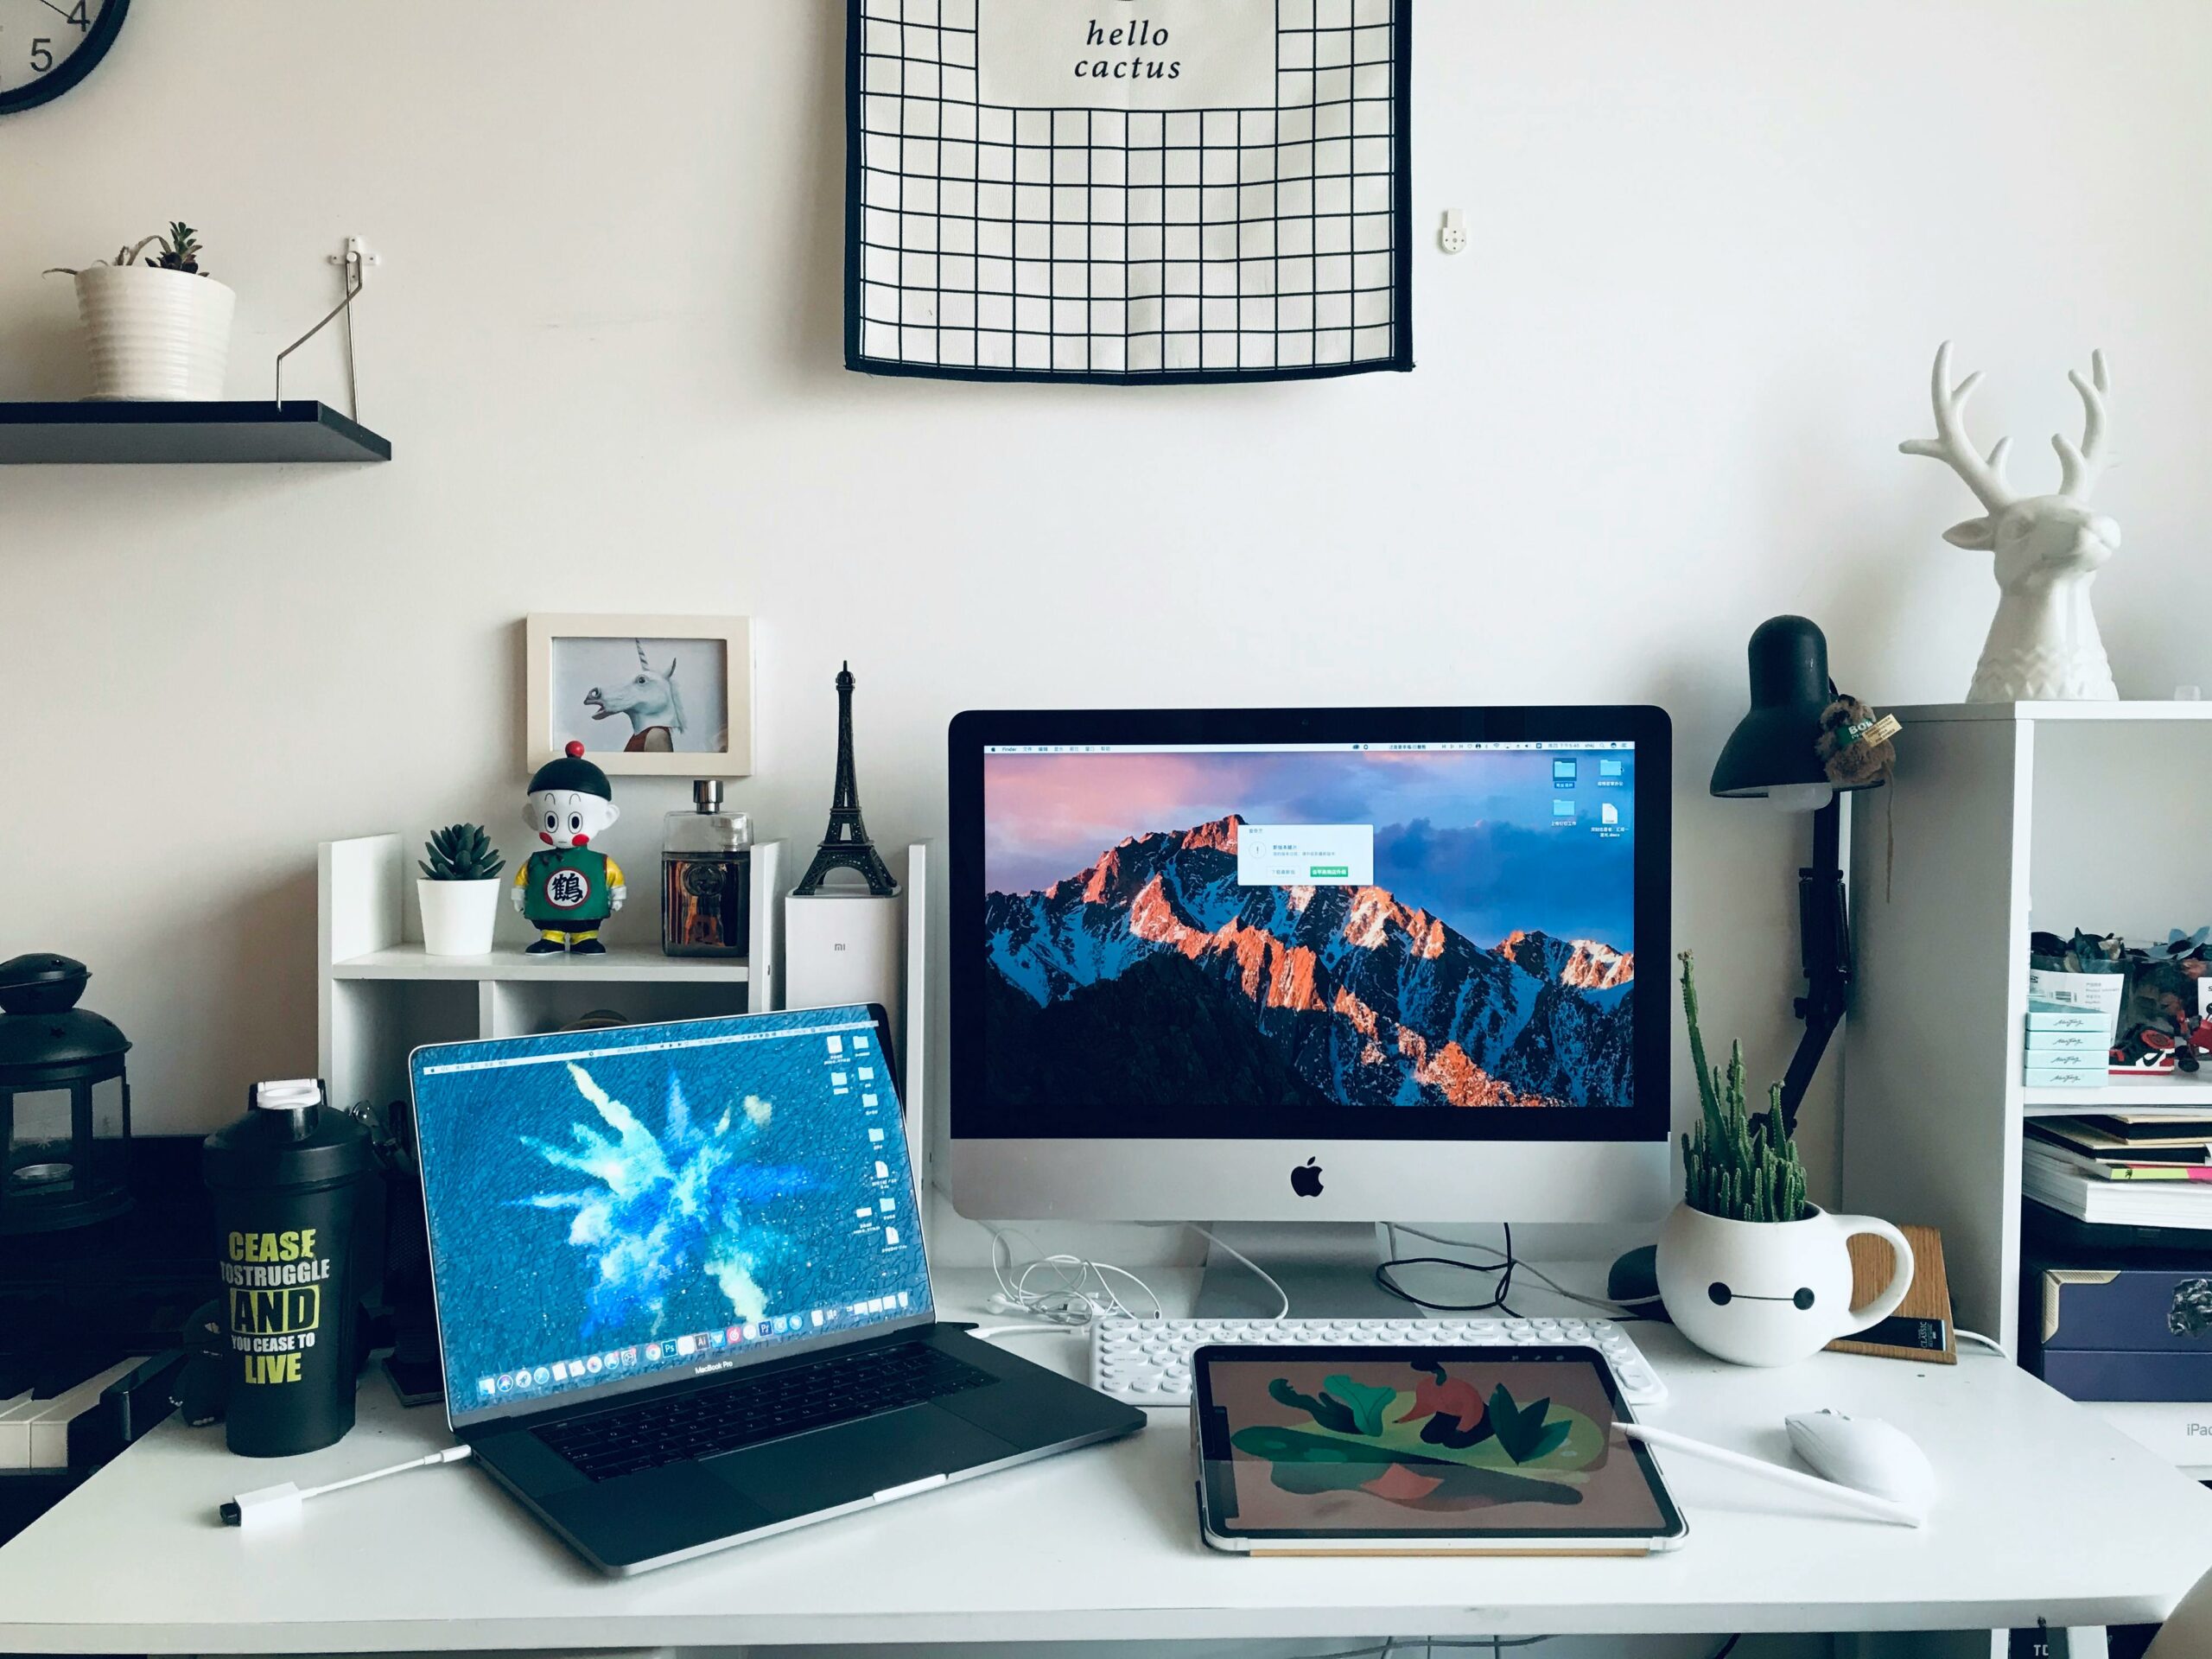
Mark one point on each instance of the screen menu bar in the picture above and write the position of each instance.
(1583, 747)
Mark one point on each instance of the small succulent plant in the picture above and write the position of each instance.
(1737, 1165)
(461, 852)
(180, 251)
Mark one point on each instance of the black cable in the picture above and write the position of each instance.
(1727, 1647)
(1496, 1304)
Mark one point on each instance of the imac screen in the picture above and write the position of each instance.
(1306, 932)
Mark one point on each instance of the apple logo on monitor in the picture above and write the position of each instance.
(1306, 1180)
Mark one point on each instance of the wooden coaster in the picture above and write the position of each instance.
(1921, 1328)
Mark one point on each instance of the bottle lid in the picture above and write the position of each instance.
(286, 1094)
(288, 1139)
(707, 794)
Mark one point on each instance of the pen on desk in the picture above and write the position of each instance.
(1850, 1496)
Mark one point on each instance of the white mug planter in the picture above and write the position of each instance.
(155, 334)
(1769, 1292)
(457, 916)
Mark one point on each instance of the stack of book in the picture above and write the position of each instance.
(2122, 1168)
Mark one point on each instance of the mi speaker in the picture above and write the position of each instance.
(844, 947)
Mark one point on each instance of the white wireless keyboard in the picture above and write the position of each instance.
(1148, 1361)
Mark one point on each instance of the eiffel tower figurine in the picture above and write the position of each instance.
(845, 844)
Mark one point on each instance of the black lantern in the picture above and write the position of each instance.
(65, 1103)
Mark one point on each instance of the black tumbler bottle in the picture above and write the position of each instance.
(287, 1180)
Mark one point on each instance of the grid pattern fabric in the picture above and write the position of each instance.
(993, 242)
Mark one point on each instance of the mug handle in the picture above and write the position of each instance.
(1886, 1304)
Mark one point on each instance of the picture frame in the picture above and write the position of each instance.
(647, 696)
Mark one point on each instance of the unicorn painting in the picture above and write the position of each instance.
(652, 701)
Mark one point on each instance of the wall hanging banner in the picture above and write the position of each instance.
(1128, 190)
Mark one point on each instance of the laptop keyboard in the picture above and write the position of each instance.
(748, 1410)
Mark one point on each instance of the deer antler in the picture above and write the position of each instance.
(2081, 467)
(1951, 445)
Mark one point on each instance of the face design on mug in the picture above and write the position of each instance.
(1721, 1294)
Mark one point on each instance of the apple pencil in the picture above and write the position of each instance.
(1850, 1496)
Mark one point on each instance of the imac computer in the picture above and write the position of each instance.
(1311, 965)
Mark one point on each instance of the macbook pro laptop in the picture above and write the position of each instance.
(681, 1296)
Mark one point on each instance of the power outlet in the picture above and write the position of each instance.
(1452, 239)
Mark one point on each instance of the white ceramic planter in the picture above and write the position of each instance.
(457, 916)
(1769, 1292)
(155, 334)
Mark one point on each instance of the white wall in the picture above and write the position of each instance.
(1715, 242)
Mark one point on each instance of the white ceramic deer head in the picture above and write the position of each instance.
(2042, 642)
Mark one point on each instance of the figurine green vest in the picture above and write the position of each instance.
(567, 890)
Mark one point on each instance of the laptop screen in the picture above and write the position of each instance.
(619, 1207)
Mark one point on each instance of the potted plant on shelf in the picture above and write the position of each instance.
(158, 326)
(1748, 1269)
(458, 891)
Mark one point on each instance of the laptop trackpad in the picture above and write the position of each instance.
(846, 1462)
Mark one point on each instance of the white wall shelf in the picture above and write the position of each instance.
(2008, 817)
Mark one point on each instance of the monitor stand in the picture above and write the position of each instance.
(1327, 1269)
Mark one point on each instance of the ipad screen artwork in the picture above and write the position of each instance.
(1345, 1445)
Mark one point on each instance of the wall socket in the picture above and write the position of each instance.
(1452, 239)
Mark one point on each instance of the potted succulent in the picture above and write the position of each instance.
(158, 326)
(458, 891)
(1748, 1270)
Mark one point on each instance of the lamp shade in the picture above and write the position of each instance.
(1773, 747)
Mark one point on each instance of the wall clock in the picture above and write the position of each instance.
(49, 46)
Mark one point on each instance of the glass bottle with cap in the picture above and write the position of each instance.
(706, 878)
(287, 1180)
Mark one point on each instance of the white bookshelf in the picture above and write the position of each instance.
(2008, 817)
(379, 996)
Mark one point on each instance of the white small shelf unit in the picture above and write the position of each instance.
(380, 995)
(2008, 818)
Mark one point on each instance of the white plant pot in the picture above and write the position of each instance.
(457, 916)
(155, 334)
(1769, 1292)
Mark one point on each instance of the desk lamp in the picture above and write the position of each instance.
(1773, 755)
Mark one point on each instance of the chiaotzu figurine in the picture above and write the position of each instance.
(565, 890)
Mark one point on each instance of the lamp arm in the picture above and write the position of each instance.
(1824, 935)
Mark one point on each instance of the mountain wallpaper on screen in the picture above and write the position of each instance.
(1312, 996)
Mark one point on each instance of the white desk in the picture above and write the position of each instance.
(2046, 1512)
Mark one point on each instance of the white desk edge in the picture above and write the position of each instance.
(2046, 1512)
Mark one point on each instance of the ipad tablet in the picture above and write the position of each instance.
(1419, 1451)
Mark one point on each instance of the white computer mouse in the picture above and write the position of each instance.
(1864, 1453)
